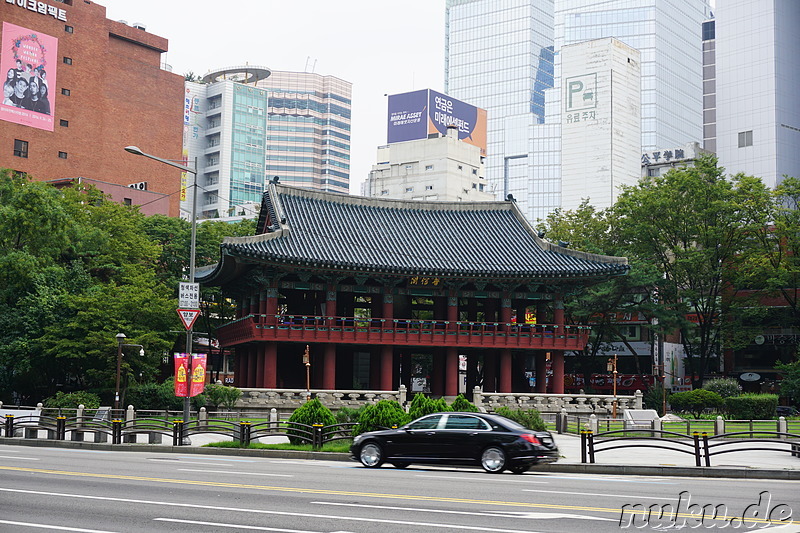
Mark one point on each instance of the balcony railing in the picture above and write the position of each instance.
(400, 331)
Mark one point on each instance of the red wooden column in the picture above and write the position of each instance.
(505, 370)
(329, 349)
(254, 301)
(505, 313)
(239, 367)
(387, 352)
(271, 305)
(451, 372)
(558, 355)
(252, 370)
(329, 367)
(271, 365)
(260, 366)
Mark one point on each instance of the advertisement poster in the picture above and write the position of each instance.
(28, 64)
(181, 374)
(198, 374)
(417, 114)
(190, 378)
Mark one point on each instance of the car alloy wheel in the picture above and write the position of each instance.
(371, 455)
(493, 460)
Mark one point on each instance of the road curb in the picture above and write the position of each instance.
(564, 468)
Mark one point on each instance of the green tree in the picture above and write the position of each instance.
(692, 224)
(790, 382)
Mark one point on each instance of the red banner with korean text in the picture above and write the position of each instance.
(181, 374)
(198, 374)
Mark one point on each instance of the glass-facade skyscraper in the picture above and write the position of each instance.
(499, 56)
(485, 36)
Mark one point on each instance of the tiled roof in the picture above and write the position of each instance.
(356, 234)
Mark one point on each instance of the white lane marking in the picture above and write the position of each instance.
(233, 526)
(17, 457)
(598, 494)
(504, 514)
(263, 512)
(219, 459)
(657, 481)
(50, 527)
(504, 480)
(231, 472)
(188, 462)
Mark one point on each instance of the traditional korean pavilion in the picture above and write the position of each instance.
(386, 291)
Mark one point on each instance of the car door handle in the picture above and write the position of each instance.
(430, 433)
(473, 434)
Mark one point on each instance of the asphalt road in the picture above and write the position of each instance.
(54, 489)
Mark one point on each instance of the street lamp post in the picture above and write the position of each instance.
(120, 344)
(612, 367)
(193, 171)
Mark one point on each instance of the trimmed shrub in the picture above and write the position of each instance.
(464, 405)
(346, 415)
(725, 387)
(383, 415)
(421, 405)
(71, 400)
(220, 395)
(695, 401)
(752, 406)
(530, 418)
(310, 413)
(154, 396)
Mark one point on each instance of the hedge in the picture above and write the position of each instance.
(752, 406)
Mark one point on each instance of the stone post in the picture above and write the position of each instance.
(402, 392)
(593, 423)
(637, 399)
(477, 397)
(719, 426)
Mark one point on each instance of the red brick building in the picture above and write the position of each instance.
(105, 89)
(375, 287)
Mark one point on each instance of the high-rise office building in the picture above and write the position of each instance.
(709, 86)
(668, 35)
(499, 57)
(247, 124)
(491, 43)
(308, 130)
(758, 117)
(600, 126)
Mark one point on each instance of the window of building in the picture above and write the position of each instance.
(428, 167)
(745, 138)
(474, 185)
(69, 29)
(384, 192)
(127, 201)
(460, 167)
(409, 189)
(481, 187)
(64, 123)
(62, 155)
(67, 60)
(429, 187)
(475, 171)
(65, 92)
(20, 148)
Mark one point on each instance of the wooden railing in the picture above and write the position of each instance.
(400, 331)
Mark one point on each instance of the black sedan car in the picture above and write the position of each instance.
(492, 441)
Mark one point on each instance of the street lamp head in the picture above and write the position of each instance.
(141, 352)
(121, 337)
(135, 150)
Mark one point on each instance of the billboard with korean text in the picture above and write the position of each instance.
(28, 65)
(418, 114)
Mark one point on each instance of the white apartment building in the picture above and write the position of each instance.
(441, 168)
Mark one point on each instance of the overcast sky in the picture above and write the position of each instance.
(380, 46)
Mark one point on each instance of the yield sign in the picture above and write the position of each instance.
(188, 316)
